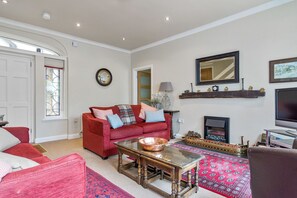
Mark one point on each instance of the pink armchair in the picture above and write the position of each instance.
(63, 177)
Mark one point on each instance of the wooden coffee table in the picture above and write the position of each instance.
(169, 164)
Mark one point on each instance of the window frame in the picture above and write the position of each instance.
(63, 92)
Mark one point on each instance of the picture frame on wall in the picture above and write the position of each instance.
(283, 70)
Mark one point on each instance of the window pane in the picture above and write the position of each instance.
(7, 42)
(4, 43)
(53, 91)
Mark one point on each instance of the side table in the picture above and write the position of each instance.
(175, 123)
(3, 123)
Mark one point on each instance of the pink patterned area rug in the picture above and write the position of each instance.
(223, 174)
(99, 187)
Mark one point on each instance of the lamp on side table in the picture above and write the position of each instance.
(166, 87)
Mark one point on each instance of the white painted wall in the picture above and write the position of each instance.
(260, 38)
(83, 90)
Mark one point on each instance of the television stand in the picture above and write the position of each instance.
(285, 141)
(292, 132)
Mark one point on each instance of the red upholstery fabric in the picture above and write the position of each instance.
(24, 150)
(136, 110)
(41, 159)
(99, 137)
(64, 177)
(20, 132)
(125, 131)
(153, 127)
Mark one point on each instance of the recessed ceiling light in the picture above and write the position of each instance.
(167, 18)
(124, 38)
(4, 1)
(77, 24)
(46, 16)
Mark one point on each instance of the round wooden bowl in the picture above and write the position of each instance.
(153, 143)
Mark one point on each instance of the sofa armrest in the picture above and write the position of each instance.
(95, 125)
(22, 133)
(63, 177)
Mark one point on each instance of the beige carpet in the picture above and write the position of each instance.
(108, 168)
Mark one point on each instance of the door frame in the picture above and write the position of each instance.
(134, 83)
(32, 89)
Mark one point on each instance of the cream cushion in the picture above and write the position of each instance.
(16, 162)
(144, 108)
(7, 140)
(102, 114)
(5, 168)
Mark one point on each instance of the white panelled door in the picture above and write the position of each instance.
(15, 90)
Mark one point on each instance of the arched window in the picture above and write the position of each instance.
(12, 43)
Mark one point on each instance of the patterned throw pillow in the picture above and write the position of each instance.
(126, 114)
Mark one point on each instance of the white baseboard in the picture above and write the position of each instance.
(50, 138)
(57, 137)
(74, 136)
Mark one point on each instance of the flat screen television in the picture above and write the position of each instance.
(286, 107)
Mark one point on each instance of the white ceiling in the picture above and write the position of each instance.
(141, 22)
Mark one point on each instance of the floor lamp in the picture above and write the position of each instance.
(166, 87)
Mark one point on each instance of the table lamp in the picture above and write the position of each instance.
(166, 87)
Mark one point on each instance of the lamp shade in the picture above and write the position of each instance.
(165, 87)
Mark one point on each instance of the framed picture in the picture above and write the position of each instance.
(283, 70)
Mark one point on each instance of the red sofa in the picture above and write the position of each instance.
(99, 137)
(63, 177)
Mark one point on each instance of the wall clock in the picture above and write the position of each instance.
(103, 77)
(215, 88)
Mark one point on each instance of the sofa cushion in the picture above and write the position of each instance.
(153, 127)
(125, 131)
(24, 150)
(102, 114)
(114, 121)
(7, 140)
(114, 109)
(5, 168)
(126, 114)
(136, 110)
(16, 162)
(145, 107)
(154, 116)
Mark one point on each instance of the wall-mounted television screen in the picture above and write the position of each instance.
(286, 107)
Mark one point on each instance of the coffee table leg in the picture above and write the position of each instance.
(178, 178)
(196, 176)
(139, 170)
(120, 160)
(144, 173)
(189, 178)
(173, 185)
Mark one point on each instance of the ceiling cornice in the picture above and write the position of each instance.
(251, 11)
(37, 29)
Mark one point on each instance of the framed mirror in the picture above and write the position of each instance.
(218, 69)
